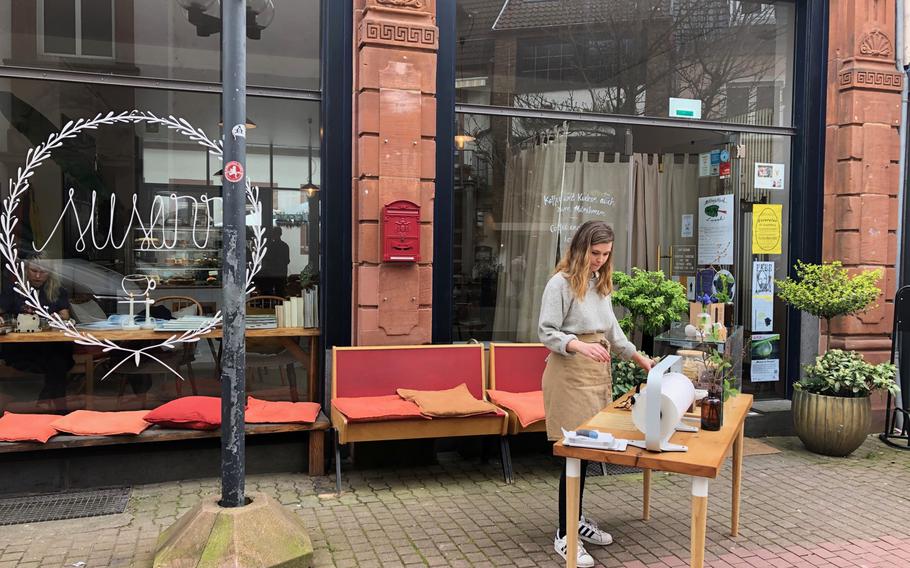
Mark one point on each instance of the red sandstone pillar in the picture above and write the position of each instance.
(861, 161)
(394, 159)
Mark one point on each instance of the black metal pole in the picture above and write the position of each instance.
(233, 359)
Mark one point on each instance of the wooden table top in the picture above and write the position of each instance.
(707, 450)
(146, 334)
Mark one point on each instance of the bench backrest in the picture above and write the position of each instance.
(377, 371)
(517, 367)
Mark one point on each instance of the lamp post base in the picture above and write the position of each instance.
(260, 534)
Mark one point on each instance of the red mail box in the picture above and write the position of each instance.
(401, 232)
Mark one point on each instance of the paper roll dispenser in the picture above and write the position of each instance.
(658, 411)
(401, 232)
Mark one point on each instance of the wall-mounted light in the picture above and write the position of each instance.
(259, 14)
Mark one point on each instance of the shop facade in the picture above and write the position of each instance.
(498, 126)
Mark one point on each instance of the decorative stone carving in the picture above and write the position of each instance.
(415, 4)
(395, 33)
(875, 44)
(869, 79)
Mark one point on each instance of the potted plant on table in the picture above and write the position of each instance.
(653, 303)
(831, 405)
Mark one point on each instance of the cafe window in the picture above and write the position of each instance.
(141, 200)
(76, 28)
(628, 57)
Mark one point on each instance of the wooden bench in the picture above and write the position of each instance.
(362, 372)
(316, 457)
(518, 367)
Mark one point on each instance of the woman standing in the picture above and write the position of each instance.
(578, 325)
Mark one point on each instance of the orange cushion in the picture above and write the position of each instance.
(270, 412)
(93, 423)
(188, 413)
(528, 406)
(367, 408)
(456, 401)
(27, 427)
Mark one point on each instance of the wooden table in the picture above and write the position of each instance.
(707, 453)
(287, 336)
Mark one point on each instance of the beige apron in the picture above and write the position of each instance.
(575, 388)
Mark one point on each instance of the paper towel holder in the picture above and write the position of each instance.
(652, 394)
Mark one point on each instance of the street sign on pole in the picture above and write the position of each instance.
(233, 359)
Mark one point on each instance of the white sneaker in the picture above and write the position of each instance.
(583, 559)
(588, 532)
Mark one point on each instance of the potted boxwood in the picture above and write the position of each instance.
(653, 303)
(831, 405)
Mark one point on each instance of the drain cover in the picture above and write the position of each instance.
(610, 469)
(57, 506)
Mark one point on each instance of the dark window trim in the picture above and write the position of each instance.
(443, 205)
(335, 258)
(41, 74)
(808, 158)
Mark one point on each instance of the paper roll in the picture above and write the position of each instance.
(677, 395)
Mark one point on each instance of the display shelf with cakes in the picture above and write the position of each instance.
(180, 245)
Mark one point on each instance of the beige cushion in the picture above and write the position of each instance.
(457, 401)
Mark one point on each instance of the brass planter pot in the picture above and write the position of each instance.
(831, 425)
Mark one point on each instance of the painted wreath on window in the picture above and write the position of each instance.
(10, 253)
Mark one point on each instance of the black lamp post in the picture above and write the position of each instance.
(259, 14)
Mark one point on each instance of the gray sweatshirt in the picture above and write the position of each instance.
(563, 317)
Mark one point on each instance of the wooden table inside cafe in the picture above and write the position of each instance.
(703, 460)
(287, 336)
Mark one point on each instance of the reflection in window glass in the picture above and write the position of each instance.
(159, 38)
(84, 193)
(629, 57)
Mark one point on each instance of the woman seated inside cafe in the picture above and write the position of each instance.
(53, 360)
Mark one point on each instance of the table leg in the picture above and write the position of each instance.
(90, 382)
(737, 481)
(699, 521)
(313, 371)
(646, 496)
(573, 487)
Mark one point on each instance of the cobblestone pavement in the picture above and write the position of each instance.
(798, 510)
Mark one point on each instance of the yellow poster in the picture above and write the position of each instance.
(766, 229)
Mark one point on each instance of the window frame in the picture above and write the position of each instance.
(77, 34)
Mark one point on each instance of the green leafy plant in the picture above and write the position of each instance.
(723, 293)
(653, 301)
(847, 374)
(626, 376)
(721, 367)
(828, 291)
(309, 278)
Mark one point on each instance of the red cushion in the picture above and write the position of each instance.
(92, 423)
(269, 412)
(528, 406)
(188, 413)
(27, 427)
(367, 408)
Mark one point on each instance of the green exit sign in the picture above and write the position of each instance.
(685, 108)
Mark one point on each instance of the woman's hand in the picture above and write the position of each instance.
(643, 361)
(593, 351)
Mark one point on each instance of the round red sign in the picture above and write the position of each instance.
(233, 171)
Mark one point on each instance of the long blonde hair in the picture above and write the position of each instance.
(52, 284)
(575, 262)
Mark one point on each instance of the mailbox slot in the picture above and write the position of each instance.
(401, 232)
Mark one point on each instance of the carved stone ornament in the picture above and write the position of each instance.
(875, 44)
(415, 4)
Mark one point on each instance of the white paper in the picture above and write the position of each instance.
(765, 354)
(688, 226)
(715, 230)
(769, 176)
(704, 164)
(765, 371)
(762, 296)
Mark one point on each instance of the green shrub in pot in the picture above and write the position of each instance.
(847, 374)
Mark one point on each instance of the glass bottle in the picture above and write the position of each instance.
(712, 409)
